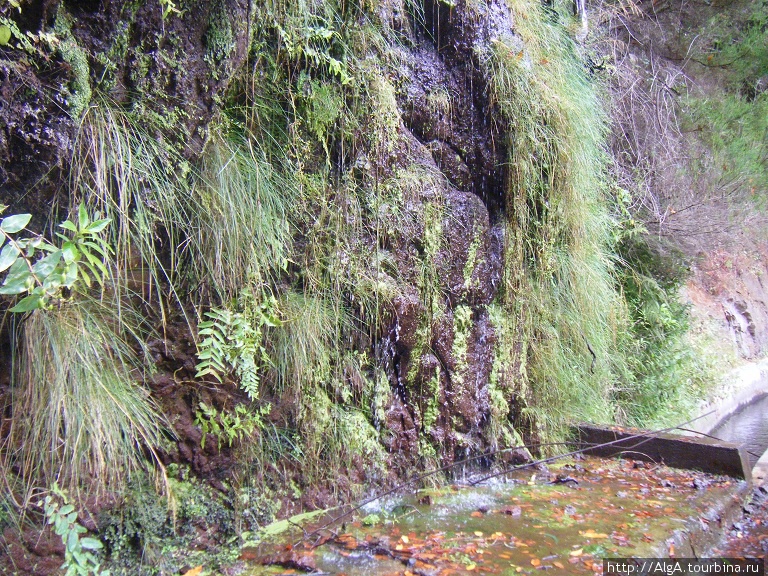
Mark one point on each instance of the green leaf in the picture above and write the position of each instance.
(82, 217)
(5, 35)
(73, 541)
(47, 265)
(91, 544)
(69, 252)
(8, 256)
(98, 225)
(14, 286)
(68, 509)
(101, 249)
(13, 224)
(68, 225)
(31, 302)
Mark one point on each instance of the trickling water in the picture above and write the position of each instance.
(747, 427)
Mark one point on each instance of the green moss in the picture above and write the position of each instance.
(431, 395)
(471, 263)
(147, 535)
(73, 54)
(462, 329)
(219, 38)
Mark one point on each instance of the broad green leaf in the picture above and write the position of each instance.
(47, 265)
(13, 224)
(72, 541)
(68, 225)
(31, 302)
(91, 544)
(67, 509)
(18, 268)
(17, 285)
(69, 252)
(5, 35)
(8, 256)
(98, 225)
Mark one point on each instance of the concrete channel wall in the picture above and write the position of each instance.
(738, 388)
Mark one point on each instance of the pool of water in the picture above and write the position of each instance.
(747, 427)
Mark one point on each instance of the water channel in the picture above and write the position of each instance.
(564, 519)
(748, 428)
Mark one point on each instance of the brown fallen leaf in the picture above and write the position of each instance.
(194, 571)
(476, 514)
(535, 562)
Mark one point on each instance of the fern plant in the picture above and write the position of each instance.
(233, 342)
(228, 426)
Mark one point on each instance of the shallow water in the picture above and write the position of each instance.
(564, 521)
(747, 427)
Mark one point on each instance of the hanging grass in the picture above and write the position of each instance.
(242, 235)
(79, 416)
(558, 262)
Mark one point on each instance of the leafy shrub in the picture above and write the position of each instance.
(46, 272)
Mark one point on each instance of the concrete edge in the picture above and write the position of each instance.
(703, 532)
(688, 452)
(739, 387)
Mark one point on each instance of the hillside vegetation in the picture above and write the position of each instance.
(260, 258)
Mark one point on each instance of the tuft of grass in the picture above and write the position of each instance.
(80, 418)
(242, 235)
(565, 360)
(143, 185)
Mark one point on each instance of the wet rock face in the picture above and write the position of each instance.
(440, 347)
(36, 133)
(170, 69)
(446, 103)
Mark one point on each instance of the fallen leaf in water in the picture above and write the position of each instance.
(476, 514)
(577, 552)
(559, 565)
(671, 549)
(535, 562)
(194, 572)
(592, 534)
(348, 541)
(405, 539)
